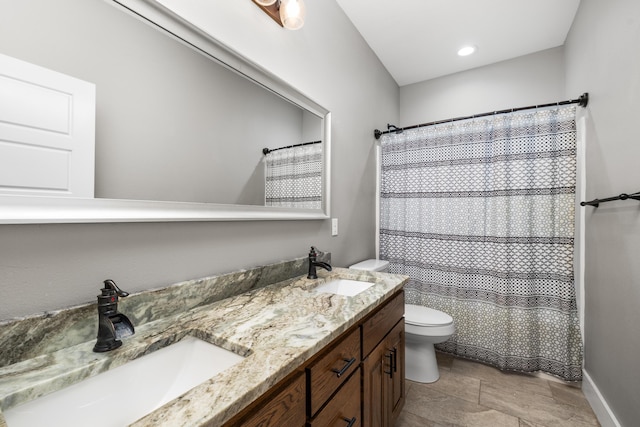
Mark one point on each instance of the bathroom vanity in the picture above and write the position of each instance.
(370, 353)
(307, 355)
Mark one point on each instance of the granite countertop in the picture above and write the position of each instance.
(277, 328)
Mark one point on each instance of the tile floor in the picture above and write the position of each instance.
(476, 395)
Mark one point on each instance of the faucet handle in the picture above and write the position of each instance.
(315, 251)
(111, 285)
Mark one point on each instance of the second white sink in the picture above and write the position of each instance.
(124, 394)
(344, 287)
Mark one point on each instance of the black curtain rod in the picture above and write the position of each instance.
(266, 151)
(623, 196)
(582, 101)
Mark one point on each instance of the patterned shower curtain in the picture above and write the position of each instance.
(294, 177)
(480, 214)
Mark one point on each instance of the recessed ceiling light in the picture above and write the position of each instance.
(467, 50)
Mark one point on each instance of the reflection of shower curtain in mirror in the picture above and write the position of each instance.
(294, 177)
(480, 214)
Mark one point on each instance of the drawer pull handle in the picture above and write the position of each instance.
(351, 421)
(344, 369)
(395, 359)
(390, 372)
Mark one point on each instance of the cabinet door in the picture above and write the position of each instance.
(375, 370)
(396, 341)
(383, 380)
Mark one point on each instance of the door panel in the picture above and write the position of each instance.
(47, 131)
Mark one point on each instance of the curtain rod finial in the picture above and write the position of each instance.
(377, 133)
(584, 99)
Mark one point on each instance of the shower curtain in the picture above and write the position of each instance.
(479, 214)
(294, 177)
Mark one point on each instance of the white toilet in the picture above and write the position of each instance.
(424, 327)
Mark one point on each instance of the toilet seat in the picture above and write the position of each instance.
(419, 315)
(420, 321)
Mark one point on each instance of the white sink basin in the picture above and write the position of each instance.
(124, 394)
(344, 287)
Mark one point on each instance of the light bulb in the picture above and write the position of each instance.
(292, 14)
(265, 2)
(467, 50)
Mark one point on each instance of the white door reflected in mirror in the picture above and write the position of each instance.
(47, 131)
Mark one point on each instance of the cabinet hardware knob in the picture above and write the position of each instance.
(344, 369)
(350, 422)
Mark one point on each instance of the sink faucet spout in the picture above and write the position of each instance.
(313, 263)
(112, 325)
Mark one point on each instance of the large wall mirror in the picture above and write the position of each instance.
(181, 120)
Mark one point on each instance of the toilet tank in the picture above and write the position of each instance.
(372, 265)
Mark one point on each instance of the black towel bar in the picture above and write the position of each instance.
(623, 196)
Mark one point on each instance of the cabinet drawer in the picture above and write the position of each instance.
(284, 406)
(332, 369)
(378, 325)
(343, 408)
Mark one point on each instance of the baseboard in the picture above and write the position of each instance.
(603, 412)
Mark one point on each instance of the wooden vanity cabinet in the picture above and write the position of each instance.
(356, 381)
(344, 408)
(376, 326)
(331, 370)
(283, 405)
(396, 342)
(383, 368)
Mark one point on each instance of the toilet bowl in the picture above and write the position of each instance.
(424, 327)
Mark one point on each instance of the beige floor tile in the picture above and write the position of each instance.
(570, 395)
(502, 399)
(532, 407)
(453, 384)
(508, 380)
(444, 361)
(407, 386)
(442, 408)
(408, 419)
(525, 423)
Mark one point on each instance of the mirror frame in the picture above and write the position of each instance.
(43, 210)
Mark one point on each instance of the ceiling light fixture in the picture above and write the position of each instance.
(287, 13)
(467, 50)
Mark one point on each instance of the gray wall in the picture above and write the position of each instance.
(45, 267)
(602, 58)
(532, 79)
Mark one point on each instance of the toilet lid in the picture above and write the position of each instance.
(424, 316)
(371, 265)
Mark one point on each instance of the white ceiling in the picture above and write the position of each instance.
(418, 40)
